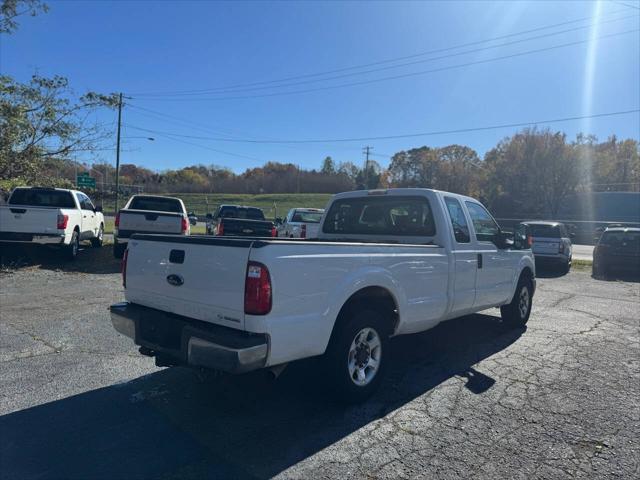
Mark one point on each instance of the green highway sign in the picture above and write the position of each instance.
(84, 180)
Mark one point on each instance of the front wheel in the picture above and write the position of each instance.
(97, 242)
(354, 361)
(518, 311)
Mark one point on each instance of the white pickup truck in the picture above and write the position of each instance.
(51, 216)
(149, 214)
(385, 263)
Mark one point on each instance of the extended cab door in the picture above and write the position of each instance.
(495, 266)
(465, 258)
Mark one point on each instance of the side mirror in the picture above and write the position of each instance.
(209, 216)
(503, 240)
(98, 209)
(572, 235)
(278, 221)
(193, 219)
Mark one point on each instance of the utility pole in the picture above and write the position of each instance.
(118, 151)
(366, 151)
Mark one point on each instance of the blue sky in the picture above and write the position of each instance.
(160, 47)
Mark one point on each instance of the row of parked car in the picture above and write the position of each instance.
(64, 218)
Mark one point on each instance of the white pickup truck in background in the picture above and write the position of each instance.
(301, 223)
(149, 214)
(385, 263)
(51, 216)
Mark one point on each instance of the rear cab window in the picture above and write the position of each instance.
(247, 213)
(548, 231)
(32, 197)
(306, 217)
(382, 216)
(156, 204)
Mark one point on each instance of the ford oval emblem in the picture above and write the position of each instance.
(175, 280)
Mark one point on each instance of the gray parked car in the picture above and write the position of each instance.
(551, 243)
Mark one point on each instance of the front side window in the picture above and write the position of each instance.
(458, 220)
(483, 223)
(373, 215)
(85, 203)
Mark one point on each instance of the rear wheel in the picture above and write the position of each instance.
(97, 242)
(71, 250)
(518, 311)
(118, 249)
(354, 361)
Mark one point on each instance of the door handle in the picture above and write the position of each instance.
(479, 260)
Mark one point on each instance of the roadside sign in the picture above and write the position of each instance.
(84, 180)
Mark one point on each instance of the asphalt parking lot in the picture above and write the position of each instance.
(469, 399)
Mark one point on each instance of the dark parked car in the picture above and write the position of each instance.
(237, 220)
(618, 251)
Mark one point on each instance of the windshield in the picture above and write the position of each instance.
(306, 217)
(549, 231)
(156, 204)
(405, 216)
(42, 198)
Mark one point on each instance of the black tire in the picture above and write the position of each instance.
(598, 271)
(118, 249)
(71, 250)
(97, 242)
(566, 267)
(518, 311)
(339, 358)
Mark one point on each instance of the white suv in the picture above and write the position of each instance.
(551, 243)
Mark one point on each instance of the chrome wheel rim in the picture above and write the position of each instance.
(364, 357)
(523, 302)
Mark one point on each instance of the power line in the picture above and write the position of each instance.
(401, 65)
(395, 77)
(408, 135)
(170, 136)
(380, 62)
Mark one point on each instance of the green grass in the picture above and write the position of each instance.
(201, 203)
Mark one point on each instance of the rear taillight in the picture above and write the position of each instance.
(116, 223)
(63, 220)
(185, 225)
(561, 248)
(530, 241)
(123, 267)
(274, 232)
(257, 290)
(220, 229)
(303, 231)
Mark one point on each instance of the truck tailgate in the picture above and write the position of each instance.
(197, 277)
(144, 221)
(29, 219)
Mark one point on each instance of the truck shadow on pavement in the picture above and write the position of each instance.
(89, 260)
(171, 425)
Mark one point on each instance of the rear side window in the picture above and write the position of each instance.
(157, 204)
(483, 223)
(42, 198)
(458, 220)
(402, 216)
(549, 231)
(306, 217)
